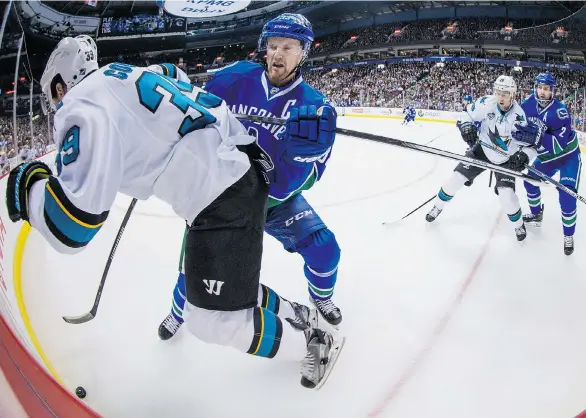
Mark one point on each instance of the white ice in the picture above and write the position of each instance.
(452, 319)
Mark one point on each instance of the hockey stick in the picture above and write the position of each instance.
(424, 203)
(407, 145)
(413, 211)
(542, 176)
(92, 313)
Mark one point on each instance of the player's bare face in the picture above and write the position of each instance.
(544, 92)
(283, 55)
(504, 99)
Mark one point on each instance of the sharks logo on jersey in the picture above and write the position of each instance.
(495, 138)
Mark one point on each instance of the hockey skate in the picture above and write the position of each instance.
(433, 214)
(521, 233)
(323, 352)
(568, 245)
(328, 310)
(534, 220)
(169, 327)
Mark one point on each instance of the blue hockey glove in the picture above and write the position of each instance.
(531, 135)
(518, 161)
(308, 135)
(468, 131)
(20, 181)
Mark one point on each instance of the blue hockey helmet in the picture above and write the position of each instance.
(288, 25)
(549, 80)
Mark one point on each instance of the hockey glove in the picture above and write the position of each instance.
(468, 131)
(309, 134)
(518, 161)
(20, 181)
(531, 134)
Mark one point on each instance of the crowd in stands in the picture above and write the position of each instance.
(27, 146)
(432, 86)
(538, 31)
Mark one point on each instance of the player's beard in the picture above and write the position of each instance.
(281, 73)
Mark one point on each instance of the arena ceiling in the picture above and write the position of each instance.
(105, 8)
(338, 11)
(345, 10)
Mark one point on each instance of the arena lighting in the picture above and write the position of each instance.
(353, 37)
(317, 44)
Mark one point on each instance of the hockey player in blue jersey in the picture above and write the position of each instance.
(278, 90)
(409, 112)
(558, 151)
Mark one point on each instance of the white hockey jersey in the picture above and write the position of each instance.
(130, 130)
(496, 126)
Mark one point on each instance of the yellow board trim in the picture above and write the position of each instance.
(262, 330)
(17, 277)
(73, 218)
(362, 115)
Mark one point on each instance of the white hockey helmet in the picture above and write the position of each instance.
(505, 83)
(90, 41)
(71, 61)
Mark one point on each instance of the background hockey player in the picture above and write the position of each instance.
(127, 129)
(559, 151)
(279, 90)
(500, 115)
(409, 112)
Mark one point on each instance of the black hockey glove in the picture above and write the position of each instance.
(469, 132)
(518, 161)
(20, 181)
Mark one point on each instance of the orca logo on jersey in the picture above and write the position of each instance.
(213, 287)
(495, 138)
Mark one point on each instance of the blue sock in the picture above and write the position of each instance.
(179, 299)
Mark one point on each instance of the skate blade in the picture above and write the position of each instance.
(333, 358)
(533, 225)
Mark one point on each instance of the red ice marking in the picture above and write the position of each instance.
(581, 415)
(422, 356)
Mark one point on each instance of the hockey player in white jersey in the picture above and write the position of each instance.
(127, 129)
(499, 115)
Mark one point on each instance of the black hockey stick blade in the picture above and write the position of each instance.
(410, 213)
(92, 313)
(79, 319)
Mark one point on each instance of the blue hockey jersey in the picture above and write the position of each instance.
(246, 89)
(409, 110)
(560, 138)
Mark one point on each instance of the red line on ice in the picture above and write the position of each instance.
(419, 360)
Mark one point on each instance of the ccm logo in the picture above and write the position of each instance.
(301, 215)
